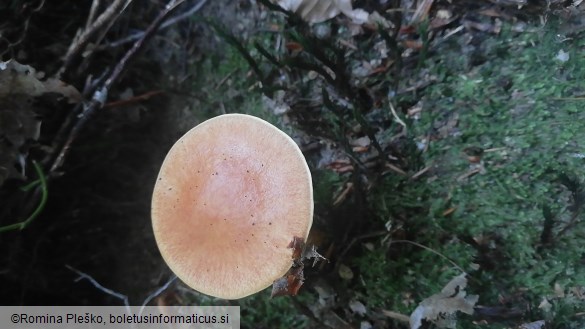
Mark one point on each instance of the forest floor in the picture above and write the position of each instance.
(439, 145)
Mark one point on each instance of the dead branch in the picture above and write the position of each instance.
(79, 44)
(173, 20)
(100, 94)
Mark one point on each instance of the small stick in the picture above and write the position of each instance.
(396, 316)
(78, 45)
(157, 292)
(420, 172)
(92, 12)
(134, 99)
(96, 284)
(396, 115)
(101, 94)
(164, 25)
(118, 295)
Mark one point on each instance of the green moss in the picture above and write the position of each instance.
(260, 311)
(522, 104)
(538, 134)
(498, 220)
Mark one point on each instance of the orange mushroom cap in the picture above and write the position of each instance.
(231, 195)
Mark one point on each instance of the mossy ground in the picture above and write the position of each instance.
(512, 221)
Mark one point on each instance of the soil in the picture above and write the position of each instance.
(97, 218)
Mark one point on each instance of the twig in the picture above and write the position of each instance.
(468, 174)
(395, 115)
(572, 222)
(357, 239)
(132, 100)
(100, 95)
(78, 45)
(26, 24)
(422, 12)
(396, 316)
(167, 23)
(452, 32)
(96, 284)
(494, 149)
(92, 12)
(157, 292)
(395, 169)
(431, 250)
(420, 172)
(224, 79)
(118, 295)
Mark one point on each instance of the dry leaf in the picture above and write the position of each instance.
(18, 79)
(545, 305)
(357, 307)
(18, 124)
(361, 141)
(442, 307)
(289, 284)
(317, 11)
(562, 56)
(533, 325)
(345, 272)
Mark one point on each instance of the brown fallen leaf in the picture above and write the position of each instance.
(294, 278)
(316, 11)
(289, 284)
(297, 245)
(19, 79)
(441, 308)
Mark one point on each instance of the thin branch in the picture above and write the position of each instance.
(95, 5)
(431, 250)
(100, 95)
(157, 292)
(395, 115)
(78, 45)
(167, 23)
(118, 295)
(103, 289)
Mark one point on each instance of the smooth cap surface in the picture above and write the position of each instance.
(231, 195)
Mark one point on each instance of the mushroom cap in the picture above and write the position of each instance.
(231, 195)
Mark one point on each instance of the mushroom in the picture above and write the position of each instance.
(231, 195)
